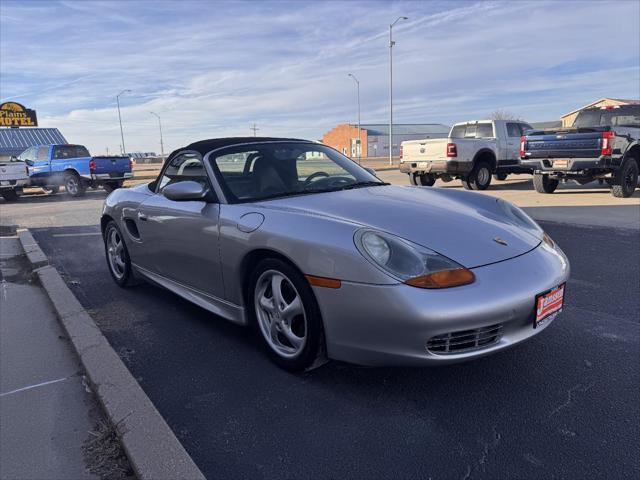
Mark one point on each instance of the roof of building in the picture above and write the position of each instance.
(14, 141)
(205, 146)
(621, 100)
(549, 124)
(404, 128)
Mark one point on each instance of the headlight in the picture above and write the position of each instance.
(517, 216)
(410, 263)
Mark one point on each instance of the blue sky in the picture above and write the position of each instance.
(213, 68)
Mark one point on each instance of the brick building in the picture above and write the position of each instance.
(375, 137)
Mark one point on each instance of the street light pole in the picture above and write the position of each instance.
(391, 44)
(359, 138)
(159, 125)
(120, 119)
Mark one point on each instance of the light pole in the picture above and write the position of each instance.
(359, 140)
(120, 119)
(159, 125)
(391, 44)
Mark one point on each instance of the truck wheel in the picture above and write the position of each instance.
(413, 178)
(500, 176)
(544, 184)
(10, 195)
(51, 190)
(111, 186)
(626, 179)
(479, 178)
(74, 185)
(426, 179)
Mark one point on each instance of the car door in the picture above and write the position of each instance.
(179, 239)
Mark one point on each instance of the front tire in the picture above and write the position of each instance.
(117, 255)
(626, 179)
(544, 184)
(285, 315)
(74, 185)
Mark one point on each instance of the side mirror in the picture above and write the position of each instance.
(185, 190)
(28, 162)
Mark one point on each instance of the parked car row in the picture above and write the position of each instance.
(603, 144)
(71, 166)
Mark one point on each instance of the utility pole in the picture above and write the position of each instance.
(254, 128)
(359, 138)
(391, 44)
(120, 118)
(159, 125)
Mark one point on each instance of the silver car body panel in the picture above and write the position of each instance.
(202, 252)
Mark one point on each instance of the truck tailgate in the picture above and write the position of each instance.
(115, 167)
(424, 150)
(564, 145)
(12, 171)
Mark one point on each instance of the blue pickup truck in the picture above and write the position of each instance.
(71, 166)
(603, 144)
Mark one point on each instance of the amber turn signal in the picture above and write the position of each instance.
(323, 282)
(443, 279)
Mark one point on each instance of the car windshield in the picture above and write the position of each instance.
(261, 171)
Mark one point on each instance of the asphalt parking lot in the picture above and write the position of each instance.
(564, 404)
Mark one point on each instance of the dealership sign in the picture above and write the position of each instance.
(13, 114)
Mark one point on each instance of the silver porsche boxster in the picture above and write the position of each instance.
(325, 260)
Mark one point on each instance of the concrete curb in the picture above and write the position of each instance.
(153, 450)
(36, 257)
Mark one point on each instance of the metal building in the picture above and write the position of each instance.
(14, 141)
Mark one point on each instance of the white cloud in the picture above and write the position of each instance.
(212, 69)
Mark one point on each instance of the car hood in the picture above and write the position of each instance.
(463, 226)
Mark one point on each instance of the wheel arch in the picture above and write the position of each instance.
(104, 220)
(488, 155)
(250, 260)
(634, 152)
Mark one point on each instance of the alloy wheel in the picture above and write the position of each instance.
(280, 314)
(115, 251)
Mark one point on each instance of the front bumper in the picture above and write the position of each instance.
(452, 167)
(571, 165)
(391, 324)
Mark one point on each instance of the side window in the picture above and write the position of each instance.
(63, 152)
(43, 153)
(513, 130)
(525, 127)
(485, 130)
(184, 166)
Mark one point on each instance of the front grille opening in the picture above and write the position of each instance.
(465, 340)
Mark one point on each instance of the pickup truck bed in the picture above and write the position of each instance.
(602, 145)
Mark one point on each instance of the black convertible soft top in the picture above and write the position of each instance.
(205, 146)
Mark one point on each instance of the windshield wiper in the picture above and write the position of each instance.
(363, 184)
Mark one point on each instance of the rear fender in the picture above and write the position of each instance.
(488, 155)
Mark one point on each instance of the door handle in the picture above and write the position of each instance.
(142, 217)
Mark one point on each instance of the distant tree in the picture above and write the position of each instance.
(503, 115)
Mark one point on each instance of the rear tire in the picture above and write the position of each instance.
(544, 184)
(626, 179)
(118, 260)
(74, 185)
(293, 341)
(111, 186)
(500, 176)
(479, 178)
(426, 179)
(10, 195)
(413, 178)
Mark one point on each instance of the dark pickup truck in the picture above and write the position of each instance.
(603, 144)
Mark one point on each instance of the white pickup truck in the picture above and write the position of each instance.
(14, 175)
(472, 152)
